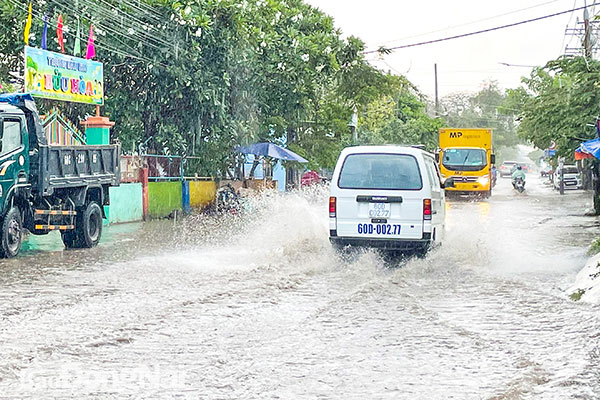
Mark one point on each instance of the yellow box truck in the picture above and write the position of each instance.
(466, 156)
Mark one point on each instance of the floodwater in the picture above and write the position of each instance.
(263, 308)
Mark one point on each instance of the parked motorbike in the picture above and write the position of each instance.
(228, 201)
(519, 185)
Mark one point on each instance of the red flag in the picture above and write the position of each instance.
(91, 50)
(59, 33)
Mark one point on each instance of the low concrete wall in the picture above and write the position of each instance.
(202, 193)
(125, 203)
(163, 198)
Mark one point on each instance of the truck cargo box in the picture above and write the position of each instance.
(74, 166)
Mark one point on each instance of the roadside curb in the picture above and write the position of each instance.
(587, 283)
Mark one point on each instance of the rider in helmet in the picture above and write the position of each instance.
(518, 174)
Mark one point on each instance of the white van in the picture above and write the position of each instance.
(388, 197)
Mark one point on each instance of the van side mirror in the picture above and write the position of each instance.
(437, 157)
(449, 183)
(493, 159)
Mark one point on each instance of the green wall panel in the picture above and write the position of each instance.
(125, 203)
(163, 198)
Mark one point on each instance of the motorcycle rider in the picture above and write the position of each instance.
(494, 175)
(517, 174)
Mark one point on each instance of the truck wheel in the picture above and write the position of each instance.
(88, 228)
(69, 238)
(12, 233)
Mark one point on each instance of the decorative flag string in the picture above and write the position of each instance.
(77, 47)
(28, 26)
(91, 50)
(45, 33)
(59, 33)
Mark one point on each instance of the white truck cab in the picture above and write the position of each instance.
(387, 197)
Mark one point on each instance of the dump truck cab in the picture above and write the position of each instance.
(14, 154)
(47, 187)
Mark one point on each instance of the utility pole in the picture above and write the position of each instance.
(561, 175)
(591, 174)
(437, 102)
(588, 52)
(587, 39)
(585, 35)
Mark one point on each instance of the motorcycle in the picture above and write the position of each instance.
(519, 185)
(228, 201)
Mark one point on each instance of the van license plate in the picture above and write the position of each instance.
(380, 210)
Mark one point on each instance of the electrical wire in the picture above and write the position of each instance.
(109, 48)
(109, 14)
(562, 46)
(106, 26)
(384, 50)
(473, 22)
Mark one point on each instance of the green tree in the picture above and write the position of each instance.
(489, 108)
(199, 77)
(558, 104)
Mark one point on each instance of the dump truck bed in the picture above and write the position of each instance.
(75, 166)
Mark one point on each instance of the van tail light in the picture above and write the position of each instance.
(332, 207)
(427, 209)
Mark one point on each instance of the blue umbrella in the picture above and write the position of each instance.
(271, 150)
(591, 147)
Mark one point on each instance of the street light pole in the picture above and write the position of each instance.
(437, 103)
(353, 124)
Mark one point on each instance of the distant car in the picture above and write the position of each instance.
(571, 177)
(506, 168)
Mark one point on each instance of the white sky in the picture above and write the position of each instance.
(463, 64)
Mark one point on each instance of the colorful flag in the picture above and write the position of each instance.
(77, 48)
(28, 26)
(59, 33)
(45, 34)
(91, 50)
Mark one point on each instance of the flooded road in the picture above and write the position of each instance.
(265, 309)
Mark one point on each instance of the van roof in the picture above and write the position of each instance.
(5, 107)
(387, 149)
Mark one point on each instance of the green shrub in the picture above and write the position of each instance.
(594, 247)
(576, 296)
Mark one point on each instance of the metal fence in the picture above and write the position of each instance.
(161, 168)
(164, 167)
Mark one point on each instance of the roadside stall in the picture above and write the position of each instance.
(264, 152)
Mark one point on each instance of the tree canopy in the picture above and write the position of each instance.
(199, 77)
(559, 103)
(489, 108)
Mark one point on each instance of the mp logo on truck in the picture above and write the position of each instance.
(455, 134)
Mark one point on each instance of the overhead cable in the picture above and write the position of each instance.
(384, 50)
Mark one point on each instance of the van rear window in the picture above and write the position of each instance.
(380, 171)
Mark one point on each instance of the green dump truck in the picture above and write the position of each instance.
(45, 188)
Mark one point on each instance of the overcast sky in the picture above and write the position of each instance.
(463, 64)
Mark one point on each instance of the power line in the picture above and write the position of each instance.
(473, 22)
(109, 48)
(569, 23)
(105, 10)
(388, 49)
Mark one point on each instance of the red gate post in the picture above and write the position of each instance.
(144, 181)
